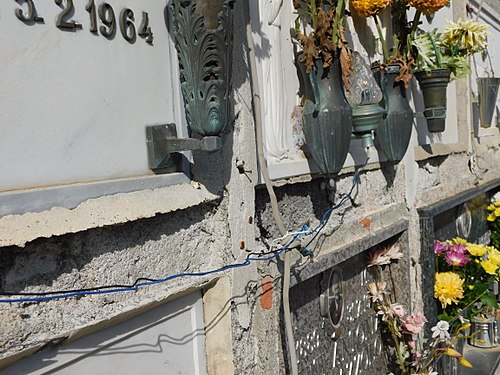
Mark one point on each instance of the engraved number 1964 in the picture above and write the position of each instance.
(104, 13)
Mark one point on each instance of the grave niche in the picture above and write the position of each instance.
(350, 342)
(463, 215)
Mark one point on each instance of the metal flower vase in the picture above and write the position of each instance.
(483, 332)
(393, 136)
(327, 117)
(202, 31)
(434, 84)
(488, 91)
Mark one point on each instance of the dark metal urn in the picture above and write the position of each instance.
(433, 84)
(393, 135)
(327, 117)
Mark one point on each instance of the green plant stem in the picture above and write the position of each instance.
(437, 52)
(414, 27)
(394, 334)
(314, 14)
(469, 305)
(414, 24)
(338, 16)
(394, 291)
(397, 346)
(382, 39)
(435, 356)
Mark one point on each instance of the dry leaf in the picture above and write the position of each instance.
(346, 64)
(405, 71)
(366, 222)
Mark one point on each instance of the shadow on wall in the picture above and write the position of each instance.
(308, 196)
(213, 170)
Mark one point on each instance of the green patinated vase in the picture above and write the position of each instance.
(327, 117)
(393, 135)
(434, 84)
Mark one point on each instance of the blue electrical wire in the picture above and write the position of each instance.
(247, 262)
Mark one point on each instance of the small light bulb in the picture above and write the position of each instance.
(364, 89)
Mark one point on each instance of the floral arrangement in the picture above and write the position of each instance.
(404, 329)
(320, 30)
(494, 220)
(464, 271)
(450, 49)
(398, 55)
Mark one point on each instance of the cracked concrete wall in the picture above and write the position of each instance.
(153, 248)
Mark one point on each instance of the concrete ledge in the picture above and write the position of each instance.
(17, 230)
(349, 250)
(425, 152)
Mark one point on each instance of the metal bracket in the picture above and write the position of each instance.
(432, 113)
(435, 113)
(164, 147)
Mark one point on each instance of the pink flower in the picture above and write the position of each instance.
(418, 357)
(414, 323)
(440, 247)
(398, 310)
(456, 258)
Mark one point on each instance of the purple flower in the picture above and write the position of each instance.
(456, 258)
(440, 247)
(459, 249)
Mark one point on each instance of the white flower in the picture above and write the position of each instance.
(441, 330)
(394, 252)
(496, 197)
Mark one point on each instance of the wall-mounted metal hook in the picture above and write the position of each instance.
(202, 31)
(163, 146)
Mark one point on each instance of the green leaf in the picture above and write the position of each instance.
(490, 301)
(429, 46)
(480, 288)
(444, 316)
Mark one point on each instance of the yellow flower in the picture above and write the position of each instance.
(458, 241)
(494, 255)
(489, 266)
(448, 288)
(476, 249)
(494, 214)
(464, 362)
(369, 8)
(492, 206)
(466, 35)
(450, 352)
(428, 6)
(464, 327)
